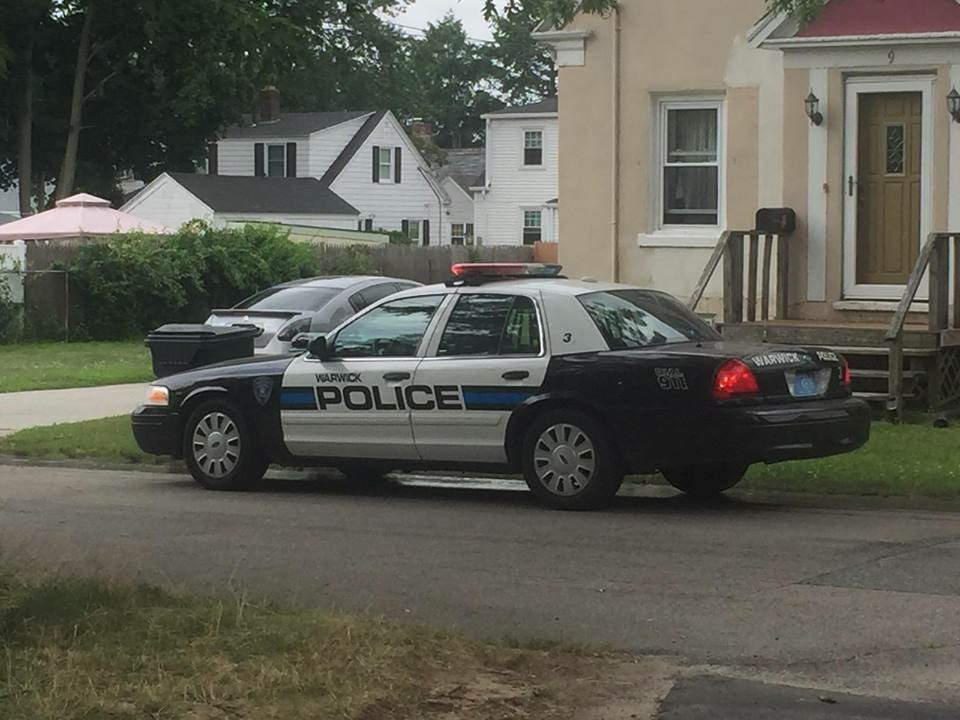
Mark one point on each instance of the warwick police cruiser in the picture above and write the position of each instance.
(512, 367)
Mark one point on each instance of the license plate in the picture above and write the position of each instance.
(805, 385)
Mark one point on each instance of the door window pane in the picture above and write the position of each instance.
(276, 161)
(691, 166)
(895, 137)
(391, 330)
(485, 325)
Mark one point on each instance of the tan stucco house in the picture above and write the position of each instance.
(679, 119)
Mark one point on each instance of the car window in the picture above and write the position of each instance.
(394, 329)
(296, 297)
(635, 318)
(484, 325)
(378, 292)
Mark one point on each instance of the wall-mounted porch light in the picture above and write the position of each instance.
(953, 105)
(812, 105)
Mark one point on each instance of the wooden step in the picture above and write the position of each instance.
(907, 374)
(828, 335)
(864, 350)
(872, 397)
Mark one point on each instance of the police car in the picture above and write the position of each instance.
(509, 366)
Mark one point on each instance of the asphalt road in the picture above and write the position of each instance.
(866, 602)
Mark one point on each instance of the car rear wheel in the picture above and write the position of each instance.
(705, 481)
(220, 449)
(568, 461)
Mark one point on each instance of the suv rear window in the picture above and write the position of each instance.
(637, 318)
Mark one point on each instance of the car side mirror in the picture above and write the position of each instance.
(319, 348)
(301, 341)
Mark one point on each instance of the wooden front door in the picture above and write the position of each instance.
(888, 191)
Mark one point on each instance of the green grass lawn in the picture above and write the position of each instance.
(44, 366)
(108, 440)
(81, 648)
(899, 461)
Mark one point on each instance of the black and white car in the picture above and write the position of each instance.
(574, 384)
(313, 306)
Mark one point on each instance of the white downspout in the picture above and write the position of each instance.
(615, 149)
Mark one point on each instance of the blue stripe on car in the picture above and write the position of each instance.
(298, 399)
(480, 399)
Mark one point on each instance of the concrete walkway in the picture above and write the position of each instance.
(21, 410)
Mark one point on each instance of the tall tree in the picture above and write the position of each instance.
(523, 70)
(452, 79)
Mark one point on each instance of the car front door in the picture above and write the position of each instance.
(488, 359)
(356, 402)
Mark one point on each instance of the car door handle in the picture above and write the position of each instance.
(396, 376)
(516, 375)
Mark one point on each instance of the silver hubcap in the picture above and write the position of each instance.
(564, 459)
(216, 444)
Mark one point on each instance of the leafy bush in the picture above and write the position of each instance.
(9, 313)
(134, 283)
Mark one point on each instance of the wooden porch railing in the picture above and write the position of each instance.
(935, 255)
(758, 276)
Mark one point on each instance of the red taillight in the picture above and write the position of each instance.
(847, 375)
(734, 379)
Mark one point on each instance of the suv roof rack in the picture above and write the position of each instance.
(480, 273)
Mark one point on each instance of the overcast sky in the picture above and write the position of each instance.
(470, 13)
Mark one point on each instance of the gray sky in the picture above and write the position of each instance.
(470, 13)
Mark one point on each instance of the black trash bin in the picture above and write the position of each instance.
(175, 348)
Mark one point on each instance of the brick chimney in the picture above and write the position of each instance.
(269, 110)
(422, 129)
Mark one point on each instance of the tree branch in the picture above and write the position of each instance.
(99, 86)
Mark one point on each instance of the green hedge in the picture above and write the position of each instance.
(134, 283)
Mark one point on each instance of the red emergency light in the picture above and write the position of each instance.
(505, 270)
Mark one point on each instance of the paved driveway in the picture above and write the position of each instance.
(838, 600)
(20, 410)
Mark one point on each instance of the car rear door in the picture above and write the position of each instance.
(356, 404)
(487, 357)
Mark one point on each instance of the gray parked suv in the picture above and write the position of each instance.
(314, 305)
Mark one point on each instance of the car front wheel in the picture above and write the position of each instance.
(568, 461)
(220, 449)
(705, 481)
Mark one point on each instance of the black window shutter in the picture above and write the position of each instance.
(470, 229)
(291, 159)
(359, 224)
(368, 224)
(405, 227)
(376, 163)
(213, 160)
(396, 165)
(426, 232)
(258, 160)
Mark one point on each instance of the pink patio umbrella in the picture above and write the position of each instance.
(77, 216)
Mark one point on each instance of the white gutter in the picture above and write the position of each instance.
(615, 147)
(863, 40)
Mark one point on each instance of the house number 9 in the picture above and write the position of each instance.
(892, 56)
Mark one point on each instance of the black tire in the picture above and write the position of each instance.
(705, 481)
(572, 488)
(363, 472)
(240, 464)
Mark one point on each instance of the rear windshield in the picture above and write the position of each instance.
(290, 298)
(635, 318)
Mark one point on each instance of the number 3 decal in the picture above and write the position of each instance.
(568, 337)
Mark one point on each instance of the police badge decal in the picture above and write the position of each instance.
(262, 389)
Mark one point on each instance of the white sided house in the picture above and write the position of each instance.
(350, 170)
(516, 200)
(461, 170)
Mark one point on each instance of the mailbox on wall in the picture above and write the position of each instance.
(776, 221)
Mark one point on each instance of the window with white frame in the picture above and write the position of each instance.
(532, 226)
(386, 165)
(458, 234)
(276, 160)
(532, 148)
(690, 173)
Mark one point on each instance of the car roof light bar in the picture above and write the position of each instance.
(477, 273)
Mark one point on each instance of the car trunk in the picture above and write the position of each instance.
(783, 373)
(268, 322)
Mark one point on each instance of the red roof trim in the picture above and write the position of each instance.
(842, 18)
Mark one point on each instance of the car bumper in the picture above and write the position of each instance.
(156, 430)
(799, 431)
